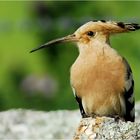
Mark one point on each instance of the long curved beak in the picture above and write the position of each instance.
(71, 38)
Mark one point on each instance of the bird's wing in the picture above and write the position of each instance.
(79, 101)
(129, 94)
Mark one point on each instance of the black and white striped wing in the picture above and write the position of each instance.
(129, 95)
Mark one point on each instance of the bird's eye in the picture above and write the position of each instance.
(90, 33)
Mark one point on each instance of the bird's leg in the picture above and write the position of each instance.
(81, 107)
(116, 117)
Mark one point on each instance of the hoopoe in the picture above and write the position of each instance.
(101, 79)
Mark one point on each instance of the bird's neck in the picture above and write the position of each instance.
(96, 50)
(96, 46)
(99, 42)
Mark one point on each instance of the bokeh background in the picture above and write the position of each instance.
(40, 80)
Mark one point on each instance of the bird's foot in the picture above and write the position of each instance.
(85, 116)
(117, 118)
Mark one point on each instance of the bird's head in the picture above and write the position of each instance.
(93, 31)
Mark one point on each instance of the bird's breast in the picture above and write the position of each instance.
(98, 74)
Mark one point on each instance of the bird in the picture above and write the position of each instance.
(101, 79)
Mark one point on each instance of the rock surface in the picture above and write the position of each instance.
(105, 128)
(27, 124)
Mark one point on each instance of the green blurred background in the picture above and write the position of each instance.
(41, 80)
